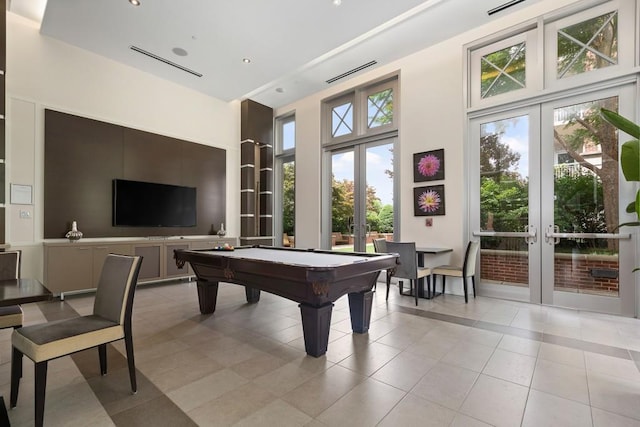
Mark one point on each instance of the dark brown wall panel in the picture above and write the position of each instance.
(256, 122)
(151, 158)
(248, 153)
(247, 178)
(206, 169)
(83, 156)
(2, 139)
(2, 217)
(247, 202)
(2, 93)
(3, 35)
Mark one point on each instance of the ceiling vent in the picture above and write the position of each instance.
(503, 6)
(166, 61)
(355, 70)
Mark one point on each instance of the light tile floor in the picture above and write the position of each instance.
(443, 363)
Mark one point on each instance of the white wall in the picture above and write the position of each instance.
(433, 116)
(45, 73)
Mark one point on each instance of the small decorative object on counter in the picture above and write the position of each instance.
(225, 247)
(222, 232)
(74, 235)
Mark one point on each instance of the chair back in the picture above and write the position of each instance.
(114, 297)
(10, 265)
(470, 258)
(407, 267)
(380, 245)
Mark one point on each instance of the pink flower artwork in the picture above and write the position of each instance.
(429, 201)
(429, 165)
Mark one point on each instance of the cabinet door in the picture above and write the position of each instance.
(150, 268)
(172, 269)
(69, 268)
(99, 255)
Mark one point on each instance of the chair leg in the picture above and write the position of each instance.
(464, 285)
(41, 386)
(102, 355)
(415, 289)
(16, 374)
(473, 282)
(128, 343)
(388, 286)
(444, 279)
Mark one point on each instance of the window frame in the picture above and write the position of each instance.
(533, 80)
(359, 96)
(626, 35)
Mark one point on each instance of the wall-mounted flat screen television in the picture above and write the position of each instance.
(147, 204)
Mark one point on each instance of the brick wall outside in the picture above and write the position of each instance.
(572, 271)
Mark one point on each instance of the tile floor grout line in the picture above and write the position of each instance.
(604, 349)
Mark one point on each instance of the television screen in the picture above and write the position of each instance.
(146, 204)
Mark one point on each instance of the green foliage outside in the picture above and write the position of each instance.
(379, 216)
(288, 198)
(504, 199)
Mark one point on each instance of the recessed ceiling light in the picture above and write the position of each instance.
(246, 60)
(179, 51)
(337, 2)
(135, 2)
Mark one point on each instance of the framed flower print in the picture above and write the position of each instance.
(428, 201)
(428, 166)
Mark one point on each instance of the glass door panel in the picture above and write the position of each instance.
(507, 184)
(342, 199)
(586, 199)
(379, 193)
(587, 260)
(362, 201)
(288, 203)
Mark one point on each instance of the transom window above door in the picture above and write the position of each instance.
(364, 111)
(503, 71)
(342, 120)
(380, 108)
(588, 45)
(563, 50)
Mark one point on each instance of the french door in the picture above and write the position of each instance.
(362, 194)
(546, 197)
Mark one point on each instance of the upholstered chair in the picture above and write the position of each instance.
(110, 321)
(10, 316)
(468, 269)
(407, 267)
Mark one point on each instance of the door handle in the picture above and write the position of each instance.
(552, 233)
(533, 234)
(530, 234)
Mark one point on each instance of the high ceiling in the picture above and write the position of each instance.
(294, 46)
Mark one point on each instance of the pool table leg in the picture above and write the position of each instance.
(253, 294)
(207, 296)
(360, 308)
(316, 322)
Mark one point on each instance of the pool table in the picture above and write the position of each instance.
(314, 278)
